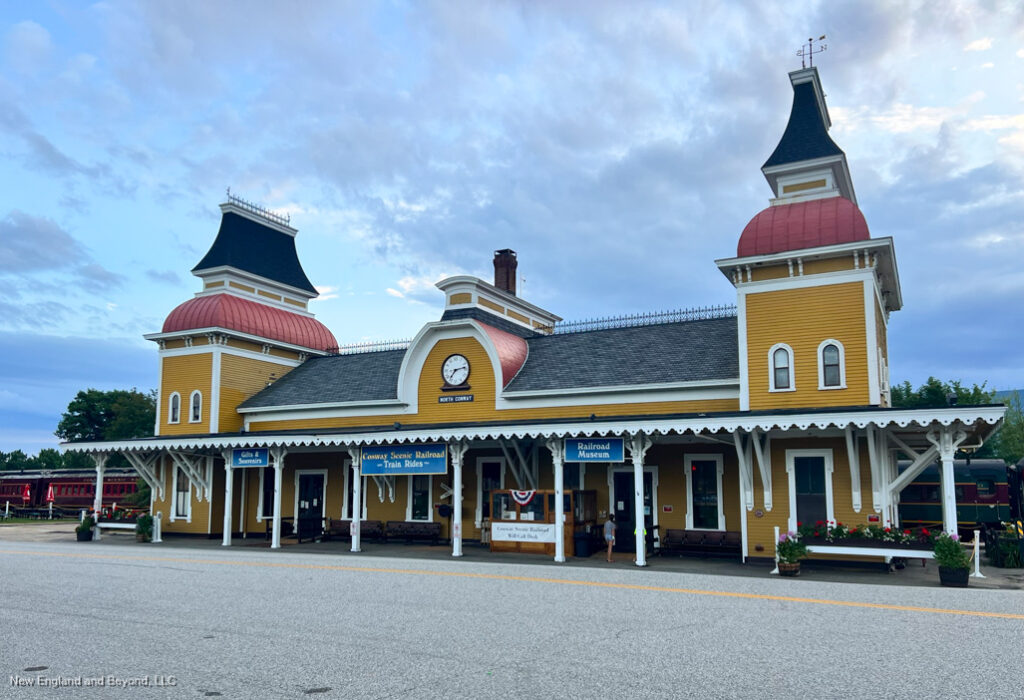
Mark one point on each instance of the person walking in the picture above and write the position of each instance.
(609, 534)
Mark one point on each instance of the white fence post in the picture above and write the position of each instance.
(7, 509)
(157, 527)
(776, 569)
(977, 555)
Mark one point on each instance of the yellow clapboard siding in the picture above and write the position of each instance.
(811, 267)
(802, 318)
(185, 374)
(240, 378)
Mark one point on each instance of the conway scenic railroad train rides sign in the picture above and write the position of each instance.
(411, 459)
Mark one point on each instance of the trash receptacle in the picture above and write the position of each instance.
(581, 544)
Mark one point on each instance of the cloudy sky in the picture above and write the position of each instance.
(616, 146)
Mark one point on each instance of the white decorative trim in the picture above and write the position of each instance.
(191, 406)
(741, 329)
(821, 365)
(688, 461)
(771, 368)
(826, 455)
(430, 500)
(228, 350)
(215, 390)
(649, 425)
(187, 335)
(159, 396)
(871, 338)
(173, 419)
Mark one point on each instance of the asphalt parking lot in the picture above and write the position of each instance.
(250, 622)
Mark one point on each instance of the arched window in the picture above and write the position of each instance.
(780, 368)
(174, 408)
(831, 365)
(195, 407)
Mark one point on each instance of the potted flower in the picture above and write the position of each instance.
(144, 528)
(790, 550)
(954, 564)
(84, 529)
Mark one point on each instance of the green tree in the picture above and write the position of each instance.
(935, 393)
(14, 461)
(108, 415)
(1008, 443)
(48, 458)
(95, 415)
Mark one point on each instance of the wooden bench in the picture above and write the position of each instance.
(411, 532)
(702, 542)
(342, 529)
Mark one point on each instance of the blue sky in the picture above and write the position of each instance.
(615, 146)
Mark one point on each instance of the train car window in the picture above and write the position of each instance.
(959, 491)
(931, 493)
(986, 487)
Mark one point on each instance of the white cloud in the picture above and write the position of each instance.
(979, 45)
(326, 292)
(988, 65)
(394, 293)
(1020, 53)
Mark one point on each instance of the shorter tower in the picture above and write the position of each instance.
(246, 328)
(814, 290)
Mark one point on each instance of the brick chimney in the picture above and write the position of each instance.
(505, 265)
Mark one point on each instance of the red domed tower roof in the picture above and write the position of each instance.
(233, 313)
(809, 224)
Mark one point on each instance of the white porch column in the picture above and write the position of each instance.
(947, 443)
(100, 459)
(356, 526)
(638, 446)
(229, 478)
(557, 449)
(278, 455)
(458, 451)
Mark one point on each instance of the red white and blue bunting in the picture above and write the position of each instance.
(523, 497)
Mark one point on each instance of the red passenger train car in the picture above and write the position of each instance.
(73, 489)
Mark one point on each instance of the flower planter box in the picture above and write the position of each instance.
(789, 568)
(84, 535)
(956, 578)
(866, 543)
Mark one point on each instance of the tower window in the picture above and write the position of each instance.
(831, 369)
(780, 368)
(195, 407)
(174, 408)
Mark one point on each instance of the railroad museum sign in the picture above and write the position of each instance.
(594, 450)
(411, 459)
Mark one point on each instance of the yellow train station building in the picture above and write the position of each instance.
(500, 423)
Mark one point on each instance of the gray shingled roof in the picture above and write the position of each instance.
(371, 376)
(669, 352)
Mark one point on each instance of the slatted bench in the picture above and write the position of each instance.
(342, 529)
(412, 532)
(704, 543)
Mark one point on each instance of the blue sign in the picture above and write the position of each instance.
(594, 450)
(405, 459)
(251, 457)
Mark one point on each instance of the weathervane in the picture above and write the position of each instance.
(806, 54)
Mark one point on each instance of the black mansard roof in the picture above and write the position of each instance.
(806, 136)
(687, 351)
(252, 247)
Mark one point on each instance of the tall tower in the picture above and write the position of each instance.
(247, 327)
(814, 289)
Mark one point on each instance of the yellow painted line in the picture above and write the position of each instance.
(531, 579)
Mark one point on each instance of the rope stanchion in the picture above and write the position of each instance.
(976, 556)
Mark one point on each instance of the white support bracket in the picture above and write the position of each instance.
(385, 483)
(853, 456)
(145, 464)
(196, 468)
(522, 472)
(746, 467)
(764, 465)
(876, 469)
(916, 467)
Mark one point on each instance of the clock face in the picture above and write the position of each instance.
(455, 370)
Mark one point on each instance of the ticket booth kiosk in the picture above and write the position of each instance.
(524, 521)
